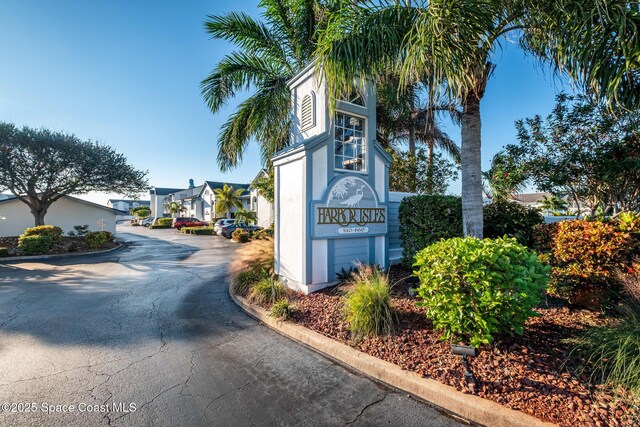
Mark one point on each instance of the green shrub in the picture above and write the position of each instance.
(263, 234)
(45, 230)
(159, 227)
(368, 304)
(512, 219)
(282, 310)
(243, 281)
(97, 239)
(612, 353)
(267, 291)
(629, 222)
(164, 222)
(425, 220)
(79, 231)
(240, 235)
(36, 244)
(474, 289)
(202, 230)
(4, 252)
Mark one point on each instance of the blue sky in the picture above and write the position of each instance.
(127, 73)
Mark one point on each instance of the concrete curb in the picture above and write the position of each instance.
(467, 406)
(41, 257)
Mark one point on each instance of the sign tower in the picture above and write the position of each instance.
(331, 186)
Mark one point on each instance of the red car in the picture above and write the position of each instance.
(178, 223)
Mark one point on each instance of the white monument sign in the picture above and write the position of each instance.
(331, 186)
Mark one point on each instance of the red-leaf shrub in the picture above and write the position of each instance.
(585, 257)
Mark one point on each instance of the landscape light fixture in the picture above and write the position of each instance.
(466, 351)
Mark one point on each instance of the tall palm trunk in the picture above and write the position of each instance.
(471, 168)
(470, 154)
(430, 149)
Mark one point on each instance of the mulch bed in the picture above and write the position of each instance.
(67, 245)
(530, 373)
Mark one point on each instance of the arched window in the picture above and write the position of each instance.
(308, 111)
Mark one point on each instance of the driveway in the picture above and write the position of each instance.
(152, 327)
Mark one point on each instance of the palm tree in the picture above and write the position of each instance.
(450, 45)
(553, 204)
(244, 216)
(227, 198)
(176, 208)
(269, 52)
(405, 117)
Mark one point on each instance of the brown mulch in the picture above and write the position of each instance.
(530, 373)
(66, 245)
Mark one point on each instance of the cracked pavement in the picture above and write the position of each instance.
(153, 325)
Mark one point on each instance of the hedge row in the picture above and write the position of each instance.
(203, 230)
(425, 220)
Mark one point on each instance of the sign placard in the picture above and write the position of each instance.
(350, 209)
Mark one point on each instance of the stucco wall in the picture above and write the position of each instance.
(262, 208)
(65, 213)
(157, 205)
(291, 250)
(308, 85)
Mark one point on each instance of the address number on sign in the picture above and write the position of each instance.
(353, 230)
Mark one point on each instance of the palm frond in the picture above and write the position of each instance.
(245, 32)
(362, 40)
(596, 42)
(235, 72)
(264, 117)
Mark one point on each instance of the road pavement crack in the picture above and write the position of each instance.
(375, 402)
(227, 393)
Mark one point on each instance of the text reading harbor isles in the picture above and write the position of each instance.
(348, 216)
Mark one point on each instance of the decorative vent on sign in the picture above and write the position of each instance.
(308, 112)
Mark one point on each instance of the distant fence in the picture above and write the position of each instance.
(395, 244)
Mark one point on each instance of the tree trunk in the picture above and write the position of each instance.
(38, 215)
(430, 167)
(472, 215)
(38, 209)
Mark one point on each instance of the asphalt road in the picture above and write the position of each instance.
(152, 326)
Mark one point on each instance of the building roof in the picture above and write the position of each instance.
(214, 185)
(186, 193)
(530, 197)
(140, 202)
(163, 191)
(74, 199)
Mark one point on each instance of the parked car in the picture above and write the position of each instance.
(148, 221)
(182, 221)
(229, 229)
(217, 227)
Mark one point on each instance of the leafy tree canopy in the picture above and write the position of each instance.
(584, 150)
(40, 166)
(417, 174)
(266, 186)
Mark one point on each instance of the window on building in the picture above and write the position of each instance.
(349, 143)
(308, 111)
(354, 97)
